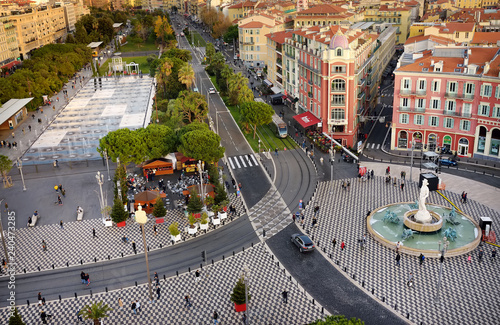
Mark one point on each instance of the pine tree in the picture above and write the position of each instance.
(159, 210)
(16, 319)
(118, 213)
(194, 205)
(220, 195)
(238, 295)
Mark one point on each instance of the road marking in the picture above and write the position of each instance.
(254, 160)
(373, 145)
(237, 162)
(378, 146)
(243, 161)
(230, 162)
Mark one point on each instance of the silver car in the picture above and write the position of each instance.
(303, 242)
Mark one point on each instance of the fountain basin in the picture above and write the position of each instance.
(409, 222)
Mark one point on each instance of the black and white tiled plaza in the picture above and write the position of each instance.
(467, 290)
(75, 243)
(267, 280)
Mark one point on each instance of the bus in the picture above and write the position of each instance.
(281, 129)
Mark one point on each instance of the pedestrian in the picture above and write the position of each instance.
(133, 247)
(188, 301)
(398, 244)
(197, 276)
(316, 209)
(334, 242)
(342, 246)
(93, 233)
(156, 279)
(155, 230)
(348, 185)
(41, 300)
(59, 200)
(401, 175)
(398, 259)
(462, 197)
(41, 110)
(43, 316)
(44, 245)
(493, 254)
(244, 319)
(79, 317)
(134, 307)
(29, 127)
(63, 192)
(158, 292)
(216, 317)
(275, 150)
(372, 173)
(302, 219)
(284, 295)
(61, 224)
(481, 253)
(410, 280)
(314, 222)
(421, 258)
(120, 303)
(293, 217)
(402, 184)
(469, 259)
(23, 130)
(465, 198)
(14, 136)
(87, 279)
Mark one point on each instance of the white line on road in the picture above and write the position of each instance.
(243, 161)
(230, 162)
(254, 160)
(378, 146)
(373, 145)
(237, 162)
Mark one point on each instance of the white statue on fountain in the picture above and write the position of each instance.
(423, 216)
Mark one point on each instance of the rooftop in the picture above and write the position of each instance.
(11, 107)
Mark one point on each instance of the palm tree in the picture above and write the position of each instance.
(5, 167)
(186, 75)
(164, 71)
(95, 311)
(226, 74)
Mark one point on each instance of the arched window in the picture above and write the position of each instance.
(403, 140)
(481, 141)
(495, 142)
(338, 85)
(463, 147)
(432, 142)
(417, 138)
(339, 52)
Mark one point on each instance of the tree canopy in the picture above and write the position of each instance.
(338, 320)
(5, 165)
(201, 145)
(95, 311)
(238, 89)
(256, 114)
(16, 319)
(231, 34)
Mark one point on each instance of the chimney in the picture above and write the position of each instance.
(432, 62)
(486, 67)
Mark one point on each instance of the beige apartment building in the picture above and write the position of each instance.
(69, 16)
(274, 63)
(9, 51)
(36, 27)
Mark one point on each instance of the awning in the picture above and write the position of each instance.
(306, 119)
(276, 90)
(10, 65)
(268, 83)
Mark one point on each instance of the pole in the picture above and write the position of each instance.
(100, 179)
(201, 181)
(217, 122)
(331, 170)
(245, 268)
(107, 163)
(3, 239)
(411, 161)
(20, 166)
(147, 262)
(445, 246)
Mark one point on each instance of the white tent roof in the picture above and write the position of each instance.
(12, 107)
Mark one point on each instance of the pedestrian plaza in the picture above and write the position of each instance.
(98, 108)
(466, 289)
(266, 278)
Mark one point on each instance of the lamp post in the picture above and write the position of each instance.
(3, 239)
(100, 180)
(411, 160)
(107, 163)
(141, 218)
(245, 273)
(259, 146)
(200, 169)
(441, 259)
(332, 159)
(20, 167)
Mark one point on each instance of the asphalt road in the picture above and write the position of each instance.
(124, 272)
(326, 284)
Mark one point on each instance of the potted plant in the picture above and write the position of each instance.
(192, 229)
(159, 210)
(238, 295)
(204, 221)
(175, 234)
(223, 210)
(215, 218)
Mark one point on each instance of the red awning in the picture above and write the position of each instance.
(306, 119)
(11, 64)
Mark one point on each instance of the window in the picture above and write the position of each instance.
(406, 83)
(496, 112)
(486, 90)
(338, 85)
(469, 88)
(420, 103)
(450, 105)
(338, 99)
(418, 120)
(339, 52)
(435, 103)
(484, 110)
(434, 121)
(466, 109)
(422, 85)
(257, 48)
(465, 125)
(338, 69)
(435, 86)
(338, 114)
(405, 102)
(403, 118)
(497, 92)
(452, 86)
(448, 123)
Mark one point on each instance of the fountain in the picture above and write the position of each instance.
(422, 227)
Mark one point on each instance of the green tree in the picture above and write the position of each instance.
(123, 144)
(121, 176)
(220, 195)
(180, 54)
(238, 89)
(159, 210)
(70, 39)
(210, 52)
(238, 295)
(338, 320)
(231, 34)
(16, 319)
(159, 140)
(201, 145)
(95, 311)
(118, 213)
(256, 114)
(186, 75)
(105, 28)
(225, 74)
(192, 105)
(5, 166)
(192, 127)
(195, 205)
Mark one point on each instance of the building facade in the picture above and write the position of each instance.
(9, 49)
(449, 99)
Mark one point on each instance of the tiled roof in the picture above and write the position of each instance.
(436, 39)
(254, 24)
(279, 37)
(486, 37)
(494, 67)
(323, 9)
(450, 28)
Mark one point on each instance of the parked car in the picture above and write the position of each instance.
(182, 34)
(212, 91)
(195, 89)
(447, 162)
(303, 242)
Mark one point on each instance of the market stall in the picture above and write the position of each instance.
(160, 166)
(147, 199)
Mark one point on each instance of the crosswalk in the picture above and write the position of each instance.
(242, 161)
(372, 146)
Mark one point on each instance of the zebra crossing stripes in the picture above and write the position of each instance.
(242, 161)
(372, 146)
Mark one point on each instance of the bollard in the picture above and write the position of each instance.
(313, 301)
(95, 259)
(383, 299)
(290, 278)
(173, 242)
(345, 268)
(189, 269)
(223, 257)
(67, 264)
(109, 257)
(177, 273)
(252, 244)
(90, 293)
(76, 296)
(201, 266)
(148, 248)
(373, 291)
(278, 263)
(272, 257)
(330, 255)
(408, 315)
(122, 254)
(338, 262)
(164, 277)
(284, 271)
(396, 307)
(322, 310)
(212, 262)
(136, 283)
(318, 243)
(28, 302)
(363, 284)
(161, 246)
(243, 249)
(106, 289)
(24, 271)
(53, 266)
(233, 253)
(263, 232)
(354, 276)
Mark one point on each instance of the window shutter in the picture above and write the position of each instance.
(473, 88)
(430, 121)
(447, 86)
(482, 90)
(452, 123)
(495, 108)
(497, 92)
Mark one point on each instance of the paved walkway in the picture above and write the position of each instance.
(465, 291)
(267, 280)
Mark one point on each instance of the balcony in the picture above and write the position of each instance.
(310, 82)
(421, 92)
(291, 56)
(251, 42)
(338, 103)
(308, 66)
(361, 82)
(310, 94)
(466, 114)
(361, 96)
(403, 109)
(405, 92)
(337, 122)
(468, 97)
(278, 62)
(450, 95)
(450, 112)
(419, 109)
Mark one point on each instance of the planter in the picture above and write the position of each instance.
(175, 238)
(203, 226)
(192, 231)
(222, 215)
(210, 214)
(121, 224)
(216, 221)
(240, 308)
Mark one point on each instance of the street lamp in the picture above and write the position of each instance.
(332, 159)
(411, 160)
(107, 163)
(3, 239)
(141, 218)
(100, 180)
(200, 169)
(245, 273)
(20, 167)
(441, 259)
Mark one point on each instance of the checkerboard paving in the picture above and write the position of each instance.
(270, 213)
(75, 244)
(266, 282)
(466, 289)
